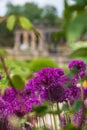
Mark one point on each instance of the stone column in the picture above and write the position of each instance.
(33, 44)
(42, 47)
(41, 43)
(16, 40)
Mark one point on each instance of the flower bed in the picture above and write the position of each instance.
(49, 94)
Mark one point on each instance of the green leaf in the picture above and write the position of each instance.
(11, 22)
(17, 82)
(3, 52)
(76, 27)
(82, 52)
(78, 45)
(25, 23)
(48, 103)
(65, 107)
(41, 110)
(85, 112)
(77, 105)
(39, 129)
(70, 127)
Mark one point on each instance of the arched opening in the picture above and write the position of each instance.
(37, 41)
(21, 38)
(47, 37)
(29, 40)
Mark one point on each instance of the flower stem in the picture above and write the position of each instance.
(6, 70)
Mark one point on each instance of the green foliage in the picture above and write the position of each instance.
(11, 22)
(17, 82)
(40, 129)
(25, 23)
(3, 81)
(78, 45)
(58, 35)
(79, 2)
(75, 20)
(6, 36)
(82, 52)
(77, 105)
(76, 27)
(49, 15)
(41, 110)
(70, 127)
(65, 107)
(66, 70)
(32, 11)
(16, 10)
(40, 63)
(66, 12)
(22, 21)
(46, 15)
(18, 67)
(19, 72)
(3, 52)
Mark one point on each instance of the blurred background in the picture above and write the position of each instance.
(59, 29)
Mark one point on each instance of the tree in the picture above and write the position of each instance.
(46, 15)
(32, 11)
(14, 9)
(49, 15)
(29, 10)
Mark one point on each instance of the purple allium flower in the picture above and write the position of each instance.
(47, 81)
(18, 107)
(32, 86)
(49, 75)
(76, 118)
(31, 102)
(78, 67)
(73, 93)
(55, 92)
(44, 78)
(9, 94)
(67, 81)
(20, 101)
(5, 109)
(16, 101)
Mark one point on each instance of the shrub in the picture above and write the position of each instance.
(40, 63)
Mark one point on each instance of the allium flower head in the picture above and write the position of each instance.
(79, 67)
(73, 93)
(45, 82)
(31, 102)
(9, 94)
(55, 92)
(5, 109)
(44, 78)
(16, 101)
(76, 118)
(66, 80)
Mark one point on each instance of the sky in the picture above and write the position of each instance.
(57, 3)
